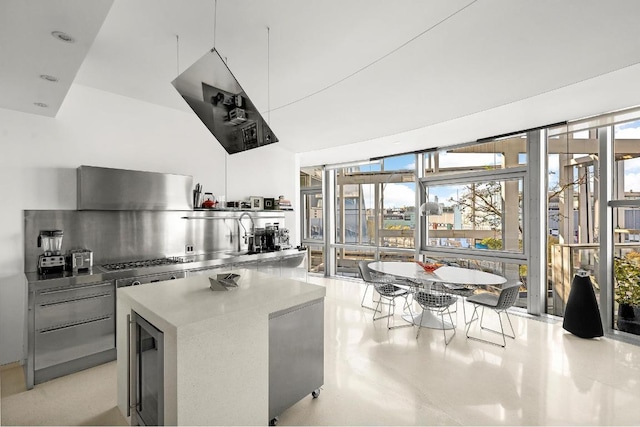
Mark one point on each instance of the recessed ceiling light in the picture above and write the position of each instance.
(40, 104)
(48, 78)
(63, 36)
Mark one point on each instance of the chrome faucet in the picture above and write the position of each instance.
(248, 237)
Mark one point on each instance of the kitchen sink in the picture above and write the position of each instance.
(240, 253)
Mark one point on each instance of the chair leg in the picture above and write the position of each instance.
(501, 331)
(461, 299)
(474, 315)
(513, 332)
(444, 331)
(364, 295)
(419, 324)
(504, 342)
(499, 313)
(379, 310)
(406, 304)
(392, 311)
(464, 310)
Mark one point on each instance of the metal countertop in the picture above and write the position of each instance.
(190, 263)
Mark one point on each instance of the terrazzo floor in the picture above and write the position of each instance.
(375, 376)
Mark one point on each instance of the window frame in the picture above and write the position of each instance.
(515, 173)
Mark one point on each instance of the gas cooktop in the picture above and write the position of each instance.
(128, 265)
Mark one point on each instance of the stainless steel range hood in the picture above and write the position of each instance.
(121, 189)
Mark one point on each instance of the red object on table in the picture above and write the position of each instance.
(429, 268)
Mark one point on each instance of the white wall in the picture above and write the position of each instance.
(40, 156)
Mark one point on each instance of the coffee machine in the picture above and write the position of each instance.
(283, 239)
(52, 260)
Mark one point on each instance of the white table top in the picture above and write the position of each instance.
(446, 274)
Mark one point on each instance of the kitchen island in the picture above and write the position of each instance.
(215, 350)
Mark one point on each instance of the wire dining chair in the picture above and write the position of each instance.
(367, 275)
(499, 303)
(388, 292)
(437, 300)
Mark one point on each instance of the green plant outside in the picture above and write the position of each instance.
(627, 274)
(492, 243)
(496, 244)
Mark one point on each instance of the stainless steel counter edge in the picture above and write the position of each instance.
(98, 274)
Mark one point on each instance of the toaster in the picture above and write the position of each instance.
(79, 260)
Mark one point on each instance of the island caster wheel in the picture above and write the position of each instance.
(274, 421)
(315, 393)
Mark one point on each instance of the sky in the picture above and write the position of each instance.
(399, 195)
(631, 167)
(395, 195)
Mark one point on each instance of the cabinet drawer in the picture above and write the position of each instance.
(53, 295)
(75, 306)
(59, 345)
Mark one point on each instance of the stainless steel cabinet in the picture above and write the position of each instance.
(292, 266)
(296, 355)
(70, 328)
(55, 307)
(295, 267)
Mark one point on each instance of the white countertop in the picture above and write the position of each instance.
(177, 304)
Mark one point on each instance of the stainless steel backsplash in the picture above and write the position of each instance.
(122, 189)
(116, 236)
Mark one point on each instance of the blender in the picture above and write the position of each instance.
(52, 260)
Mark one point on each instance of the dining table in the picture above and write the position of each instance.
(443, 274)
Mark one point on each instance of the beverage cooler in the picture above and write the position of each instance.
(147, 373)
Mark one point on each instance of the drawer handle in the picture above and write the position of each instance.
(50, 304)
(73, 325)
(74, 288)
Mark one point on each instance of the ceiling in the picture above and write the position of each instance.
(340, 79)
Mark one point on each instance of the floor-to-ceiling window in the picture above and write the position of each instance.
(594, 209)
(573, 228)
(473, 203)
